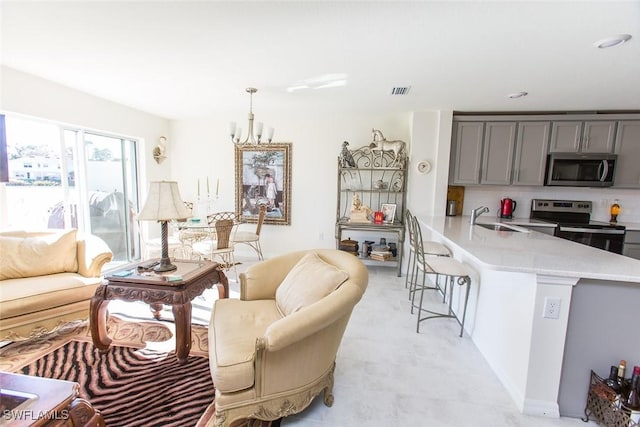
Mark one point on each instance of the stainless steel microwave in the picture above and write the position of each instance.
(580, 170)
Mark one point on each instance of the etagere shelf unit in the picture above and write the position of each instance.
(379, 180)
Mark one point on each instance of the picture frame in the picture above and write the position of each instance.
(263, 176)
(389, 211)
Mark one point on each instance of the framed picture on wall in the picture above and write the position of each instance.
(263, 177)
(389, 211)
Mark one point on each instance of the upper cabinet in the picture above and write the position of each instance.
(582, 136)
(532, 146)
(466, 153)
(499, 153)
(513, 149)
(628, 151)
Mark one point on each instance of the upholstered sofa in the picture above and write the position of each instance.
(47, 279)
(274, 349)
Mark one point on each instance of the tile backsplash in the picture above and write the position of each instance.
(602, 198)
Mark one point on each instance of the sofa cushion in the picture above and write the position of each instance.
(235, 325)
(22, 296)
(310, 280)
(38, 256)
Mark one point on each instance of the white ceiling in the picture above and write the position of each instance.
(182, 59)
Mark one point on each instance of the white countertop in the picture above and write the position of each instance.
(531, 252)
(633, 226)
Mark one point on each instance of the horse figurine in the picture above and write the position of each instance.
(380, 144)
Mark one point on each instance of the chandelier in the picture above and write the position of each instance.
(236, 132)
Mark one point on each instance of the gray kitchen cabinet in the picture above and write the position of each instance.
(466, 153)
(497, 152)
(595, 136)
(532, 146)
(627, 173)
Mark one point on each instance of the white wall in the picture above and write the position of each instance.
(431, 141)
(27, 94)
(201, 148)
(32, 96)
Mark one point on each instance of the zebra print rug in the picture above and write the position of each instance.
(136, 375)
(133, 387)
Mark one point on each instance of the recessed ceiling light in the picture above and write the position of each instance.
(612, 41)
(517, 95)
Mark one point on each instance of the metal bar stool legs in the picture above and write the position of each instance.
(454, 271)
(420, 249)
(411, 259)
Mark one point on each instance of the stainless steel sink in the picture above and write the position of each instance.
(500, 227)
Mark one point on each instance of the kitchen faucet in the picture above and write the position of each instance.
(475, 213)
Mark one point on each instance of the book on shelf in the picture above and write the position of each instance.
(381, 257)
(374, 252)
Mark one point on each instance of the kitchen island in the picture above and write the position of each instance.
(542, 361)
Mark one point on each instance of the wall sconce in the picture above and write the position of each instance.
(160, 150)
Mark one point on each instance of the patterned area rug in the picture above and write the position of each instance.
(132, 384)
(138, 382)
(132, 387)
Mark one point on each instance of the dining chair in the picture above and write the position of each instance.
(153, 247)
(219, 246)
(252, 238)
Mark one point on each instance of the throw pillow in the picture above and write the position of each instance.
(310, 280)
(38, 256)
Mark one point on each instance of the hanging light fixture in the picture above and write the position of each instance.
(236, 132)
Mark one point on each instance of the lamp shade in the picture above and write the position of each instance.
(163, 203)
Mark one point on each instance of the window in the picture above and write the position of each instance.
(64, 177)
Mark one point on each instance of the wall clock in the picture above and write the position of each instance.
(423, 167)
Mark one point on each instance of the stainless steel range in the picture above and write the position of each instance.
(574, 223)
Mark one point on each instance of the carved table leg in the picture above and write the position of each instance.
(156, 308)
(83, 414)
(222, 280)
(221, 291)
(182, 316)
(98, 320)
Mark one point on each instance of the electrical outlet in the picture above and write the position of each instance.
(551, 308)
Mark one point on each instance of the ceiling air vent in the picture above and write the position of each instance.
(400, 90)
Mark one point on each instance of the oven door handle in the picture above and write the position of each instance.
(605, 170)
(591, 230)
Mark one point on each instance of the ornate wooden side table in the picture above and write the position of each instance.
(36, 401)
(177, 288)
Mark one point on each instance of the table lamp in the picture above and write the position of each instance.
(164, 204)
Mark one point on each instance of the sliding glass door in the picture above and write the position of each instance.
(64, 177)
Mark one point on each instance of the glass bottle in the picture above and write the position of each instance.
(632, 402)
(622, 367)
(614, 211)
(612, 381)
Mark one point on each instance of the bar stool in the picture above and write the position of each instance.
(428, 248)
(452, 269)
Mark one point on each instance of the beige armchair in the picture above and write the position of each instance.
(273, 350)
